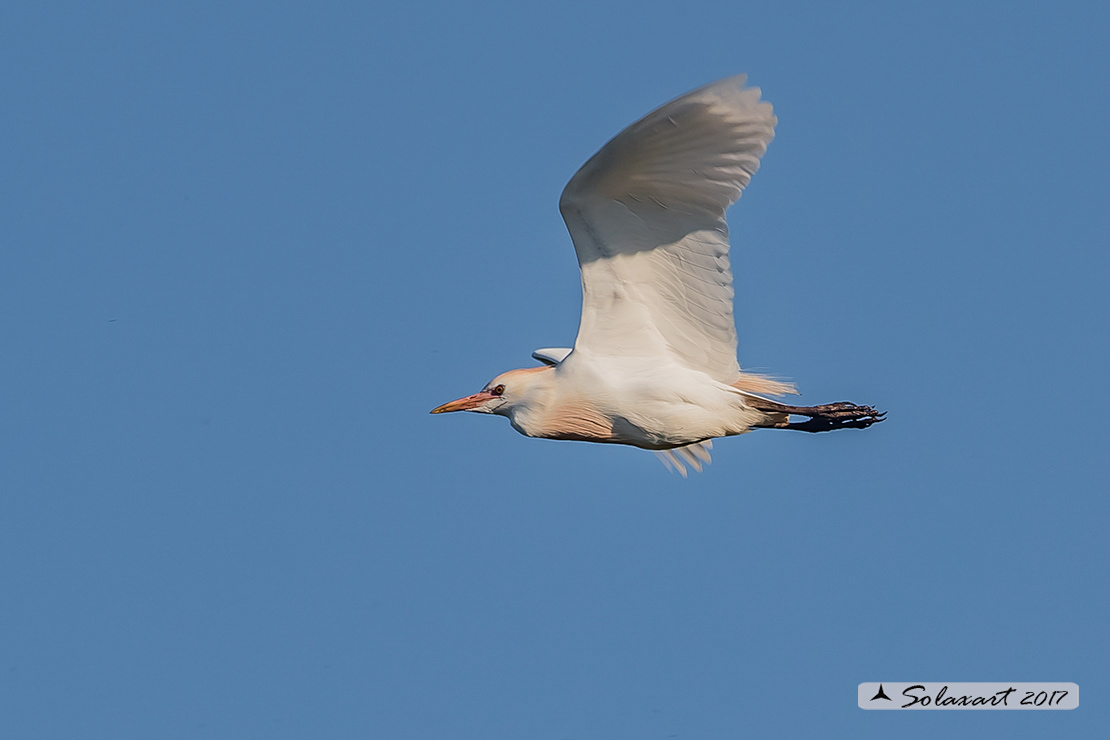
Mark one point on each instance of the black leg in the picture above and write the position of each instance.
(824, 418)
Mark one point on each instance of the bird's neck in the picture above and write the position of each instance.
(552, 412)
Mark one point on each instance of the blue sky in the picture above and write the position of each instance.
(247, 246)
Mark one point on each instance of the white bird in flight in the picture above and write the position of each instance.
(654, 364)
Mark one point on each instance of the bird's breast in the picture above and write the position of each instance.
(577, 420)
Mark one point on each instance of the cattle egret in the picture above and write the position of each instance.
(654, 364)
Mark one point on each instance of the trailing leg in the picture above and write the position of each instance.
(824, 418)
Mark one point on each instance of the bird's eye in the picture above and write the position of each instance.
(497, 391)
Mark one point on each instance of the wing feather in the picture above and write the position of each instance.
(647, 217)
(551, 355)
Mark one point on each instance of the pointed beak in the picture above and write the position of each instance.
(464, 404)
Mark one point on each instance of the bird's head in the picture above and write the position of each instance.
(504, 394)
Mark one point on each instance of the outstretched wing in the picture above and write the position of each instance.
(647, 217)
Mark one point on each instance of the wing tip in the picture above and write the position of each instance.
(733, 90)
(551, 356)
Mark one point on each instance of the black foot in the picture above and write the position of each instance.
(824, 418)
(846, 416)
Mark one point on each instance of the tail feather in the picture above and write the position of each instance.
(756, 383)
